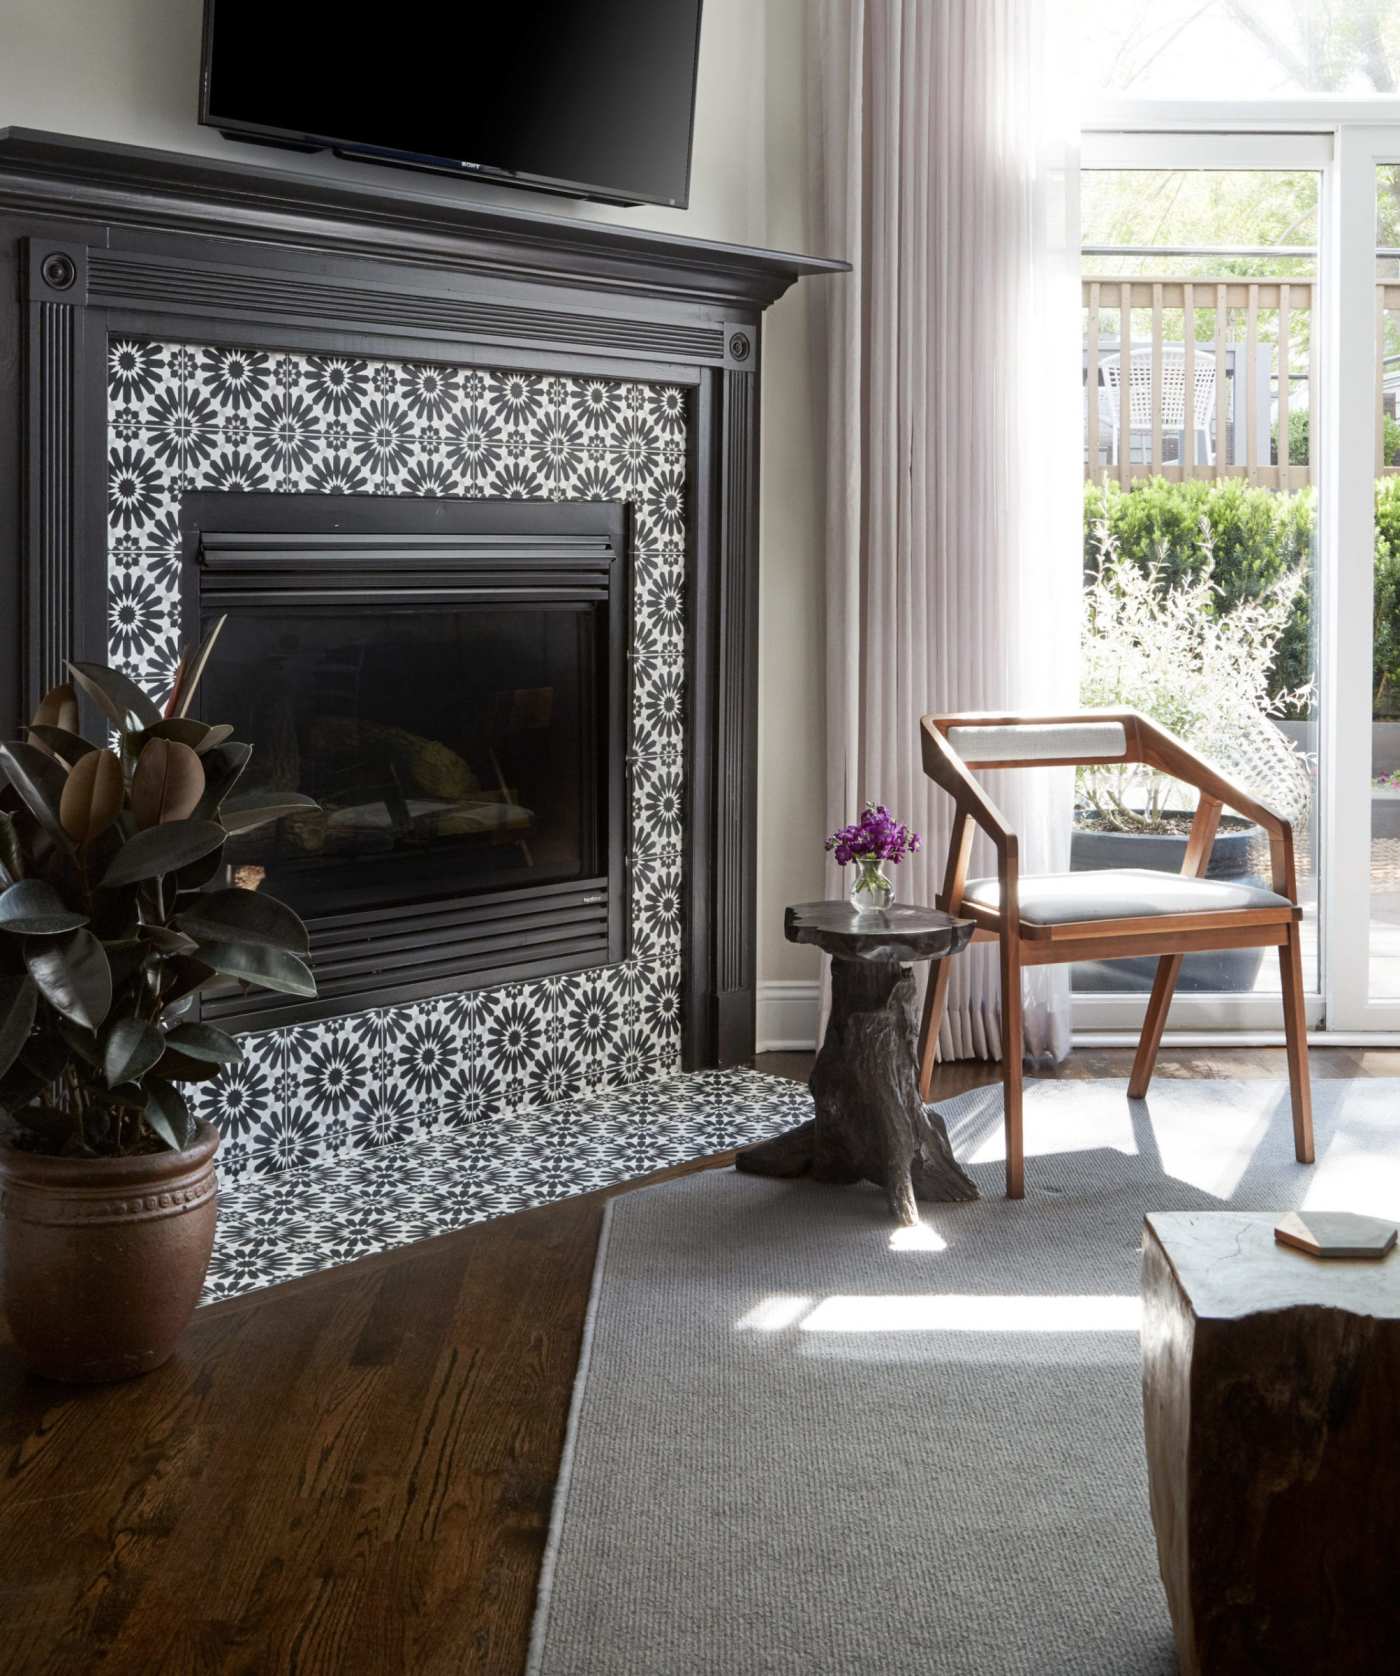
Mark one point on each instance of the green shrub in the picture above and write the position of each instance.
(1385, 650)
(1258, 535)
(1298, 439)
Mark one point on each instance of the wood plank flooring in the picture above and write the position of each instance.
(348, 1473)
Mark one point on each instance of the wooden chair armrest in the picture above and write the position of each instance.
(1162, 750)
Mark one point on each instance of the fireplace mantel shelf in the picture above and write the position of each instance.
(134, 184)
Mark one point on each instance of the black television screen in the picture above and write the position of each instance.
(590, 97)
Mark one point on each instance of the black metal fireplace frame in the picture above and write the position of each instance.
(250, 549)
(98, 238)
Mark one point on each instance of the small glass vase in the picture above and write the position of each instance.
(872, 889)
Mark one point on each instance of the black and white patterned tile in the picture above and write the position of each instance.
(332, 1210)
(230, 418)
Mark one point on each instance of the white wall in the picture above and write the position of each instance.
(792, 720)
(128, 70)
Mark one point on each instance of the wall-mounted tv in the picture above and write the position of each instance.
(592, 98)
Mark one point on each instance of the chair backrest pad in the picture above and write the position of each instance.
(1040, 742)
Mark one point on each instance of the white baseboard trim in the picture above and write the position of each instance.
(787, 1015)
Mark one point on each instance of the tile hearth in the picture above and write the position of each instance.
(318, 1217)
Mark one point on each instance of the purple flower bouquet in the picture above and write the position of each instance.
(876, 838)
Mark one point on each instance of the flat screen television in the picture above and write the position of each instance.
(591, 98)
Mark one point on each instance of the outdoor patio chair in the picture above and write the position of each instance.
(1114, 914)
(1173, 400)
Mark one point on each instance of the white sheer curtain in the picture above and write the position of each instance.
(947, 174)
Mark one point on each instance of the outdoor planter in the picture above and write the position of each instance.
(104, 1258)
(1216, 972)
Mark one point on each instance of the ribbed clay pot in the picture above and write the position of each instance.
(102, 1259)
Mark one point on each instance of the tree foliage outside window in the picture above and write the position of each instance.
(1240, 49)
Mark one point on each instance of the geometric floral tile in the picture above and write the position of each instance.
(332, 1210)
(234, 419)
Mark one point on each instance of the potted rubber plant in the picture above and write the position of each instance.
(113, 917)
(1206, 674)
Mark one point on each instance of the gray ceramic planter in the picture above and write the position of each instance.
(1216, 972)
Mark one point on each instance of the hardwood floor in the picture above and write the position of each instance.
(347, 1473)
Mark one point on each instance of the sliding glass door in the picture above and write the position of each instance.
(1202, 371)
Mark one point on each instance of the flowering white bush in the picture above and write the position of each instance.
(1201, 673)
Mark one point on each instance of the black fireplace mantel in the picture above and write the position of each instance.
(98, 238)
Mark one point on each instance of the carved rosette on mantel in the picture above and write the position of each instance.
(191, 325)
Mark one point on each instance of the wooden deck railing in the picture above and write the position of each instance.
(1197, 407)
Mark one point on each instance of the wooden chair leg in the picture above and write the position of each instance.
(1290, 961)
(935, 1002)
(1012, 1035)
(1158, 1006)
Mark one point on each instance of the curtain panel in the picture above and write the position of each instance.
(946, 172)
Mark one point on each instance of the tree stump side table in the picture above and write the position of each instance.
(870, 1123)
(1271, 1385)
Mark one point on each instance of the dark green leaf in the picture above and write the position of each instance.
(18, 1000)
(184, 730)
(180, 1067)
(184, 977)
(68, 746)
(200, 873)
(33, 908)
(162, 849)
(179, 1009)
(131, 1048)
(256, 808)
(167, 1114)
(270, 968)
(203, 1041)
(11, 855)
(79, 1041)
(39, 780)
(119, 699)
(192, 667)
(222, 767)
(245, 916)
(167, 940)
(73, 976)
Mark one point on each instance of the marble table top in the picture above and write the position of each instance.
(1228, 1265)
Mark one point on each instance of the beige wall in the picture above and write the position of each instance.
(791, 622)
(128, 69)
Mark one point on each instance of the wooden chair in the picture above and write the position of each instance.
(1109, 915)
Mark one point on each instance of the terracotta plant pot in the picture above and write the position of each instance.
(104, 1258)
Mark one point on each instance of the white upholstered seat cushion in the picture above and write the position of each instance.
(1122, 893)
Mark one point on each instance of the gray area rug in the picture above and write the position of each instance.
(802, 1443)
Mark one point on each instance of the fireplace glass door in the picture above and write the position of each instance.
(452, 750)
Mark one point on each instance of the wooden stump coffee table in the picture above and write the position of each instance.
(871, 1124)
(1270, 1384)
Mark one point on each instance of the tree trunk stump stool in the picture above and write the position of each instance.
(1271, 1392)
(871, 1124)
